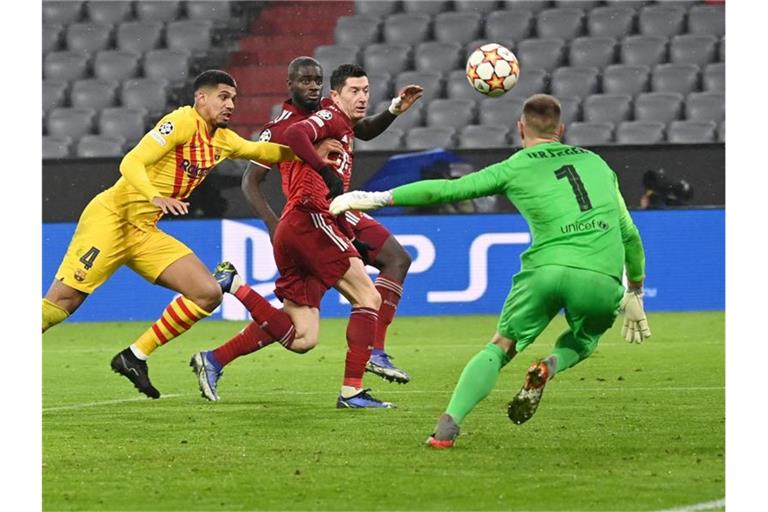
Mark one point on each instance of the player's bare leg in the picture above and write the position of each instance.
(393, 262)
(59, 302)
(306, 321)
(358, 288)
(200, 295)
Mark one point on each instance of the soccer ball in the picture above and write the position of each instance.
(492, 69)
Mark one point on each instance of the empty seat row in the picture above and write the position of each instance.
(63, 12)
(532, 53)
(95, 93)
(138, 36)
(88, 146)
(567, 22)
(129, 123)
(163, 64)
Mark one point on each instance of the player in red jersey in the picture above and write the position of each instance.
(301, 188)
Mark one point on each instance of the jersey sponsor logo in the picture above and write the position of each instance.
(578, 227)
(194, 171)
(166, 128)
(266, 135)
(325, 115)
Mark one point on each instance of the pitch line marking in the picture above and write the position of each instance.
(696, 507)
(105, 402)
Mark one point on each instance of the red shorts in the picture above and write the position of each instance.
(369, 231)
(312, 255)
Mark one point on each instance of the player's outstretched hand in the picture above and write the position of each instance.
(635, 328)
(408, 96)
(360, 200)
(326, 147)
(171, 205)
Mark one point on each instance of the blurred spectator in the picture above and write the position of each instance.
(661, 192)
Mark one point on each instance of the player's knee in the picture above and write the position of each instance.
(302, 345)
(208, 296)
(371, 299)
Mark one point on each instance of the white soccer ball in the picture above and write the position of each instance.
(492, 69)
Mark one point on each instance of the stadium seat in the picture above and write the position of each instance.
(457, 27)
(643, 50)
(88, 37)
(607, 108)
(379, 88)
(682, 78)
(640, 132)
(493, 112)
(705, 106)
(574, 81)
(171, 65)
(533, 6)
(162, 11)
(71, 122)
(358, 30)
(422, 137)
(658, 106)
(52, 35)
(692, 132)
(589, 134)
(699, 49)
(454, 114)
(422, 7)
(714, 77)
(413, 117)
(219, 12)
(379, 8)
(437, 56)
(540, 54)
(580, 4)
(54, 94)
(721, 50)
(458, 88)
(116, 64)
(634, 4)
(390, 140)
(100, 146)
(145, 93)
(611, 21)
(65, 65)
(431, 81)
(595, 52)
(707, 19)
(189, 35)
(406, 28)
(721, 131)
(130, 123)
(93, 93)
(332, 56)
(508, 25)
(109, 12)
(661, 20)
(570, 109)
(561, 23)
(56, 146)
(386, 58)
(139, 36)
(625, 79)
(482, 137)
(62, 13)
(479, 6)
(530, 81)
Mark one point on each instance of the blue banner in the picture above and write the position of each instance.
(462, 264)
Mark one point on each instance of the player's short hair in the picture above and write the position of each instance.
(341, 73)
(300, 62)
(541, 113)
(212, 78)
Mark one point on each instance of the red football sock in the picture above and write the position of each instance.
(390, 291)
(274, 321)
(360, 333)
(250, 339)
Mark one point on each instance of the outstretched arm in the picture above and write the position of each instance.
(373, 126)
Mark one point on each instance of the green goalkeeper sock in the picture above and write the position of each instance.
(569, 352)
(476, 381)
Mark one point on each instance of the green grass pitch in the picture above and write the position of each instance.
(635, 427)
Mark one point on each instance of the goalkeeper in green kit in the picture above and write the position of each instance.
(583, 239)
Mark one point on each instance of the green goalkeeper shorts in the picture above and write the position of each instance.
(590, 299)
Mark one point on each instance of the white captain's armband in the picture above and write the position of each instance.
(265, 166)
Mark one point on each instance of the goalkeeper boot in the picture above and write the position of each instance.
(445, 433)
(226, 275)
(525, 403)
(208, 374)
(362, 400)
(135, 370)
(380, 364)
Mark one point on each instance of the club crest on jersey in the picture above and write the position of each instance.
(325, 115)
(79, 275)
(265, 136)
(166, 128)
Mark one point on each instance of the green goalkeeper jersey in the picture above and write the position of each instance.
(568, 195)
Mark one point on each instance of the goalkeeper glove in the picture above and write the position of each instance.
(360, 200)
(635, 328)
(332, 181)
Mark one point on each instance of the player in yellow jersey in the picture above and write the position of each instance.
(119, 226)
